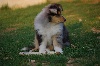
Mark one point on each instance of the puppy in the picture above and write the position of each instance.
(51, 33)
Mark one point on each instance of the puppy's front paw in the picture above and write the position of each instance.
(58, 50)
(42, 51)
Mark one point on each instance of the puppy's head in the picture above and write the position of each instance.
(55, 8)
(54, 14)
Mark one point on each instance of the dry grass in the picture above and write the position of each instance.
(91, 1)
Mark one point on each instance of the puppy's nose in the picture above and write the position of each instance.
(64, 20)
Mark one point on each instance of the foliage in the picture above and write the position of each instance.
(5, 7)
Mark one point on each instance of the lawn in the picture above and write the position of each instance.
(17, 31)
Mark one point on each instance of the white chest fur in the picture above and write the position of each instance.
(49, 29)
(46, 28)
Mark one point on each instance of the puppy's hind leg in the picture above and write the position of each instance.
(36, 44)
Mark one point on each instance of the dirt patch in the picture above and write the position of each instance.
(95, 30)
(9, 29)
(12, 28)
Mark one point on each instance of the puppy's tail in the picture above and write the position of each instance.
(28, 48)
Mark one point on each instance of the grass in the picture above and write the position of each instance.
(17, 31)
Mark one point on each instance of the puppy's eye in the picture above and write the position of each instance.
(57, 15)
(52, 14)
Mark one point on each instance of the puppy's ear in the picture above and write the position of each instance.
(53, 11)
(60, 7)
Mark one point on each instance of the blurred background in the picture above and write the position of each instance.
(24, 3)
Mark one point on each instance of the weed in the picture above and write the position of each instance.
(5, 7)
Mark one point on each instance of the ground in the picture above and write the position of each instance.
(17, 31)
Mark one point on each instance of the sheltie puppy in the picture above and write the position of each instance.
(50, 31)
